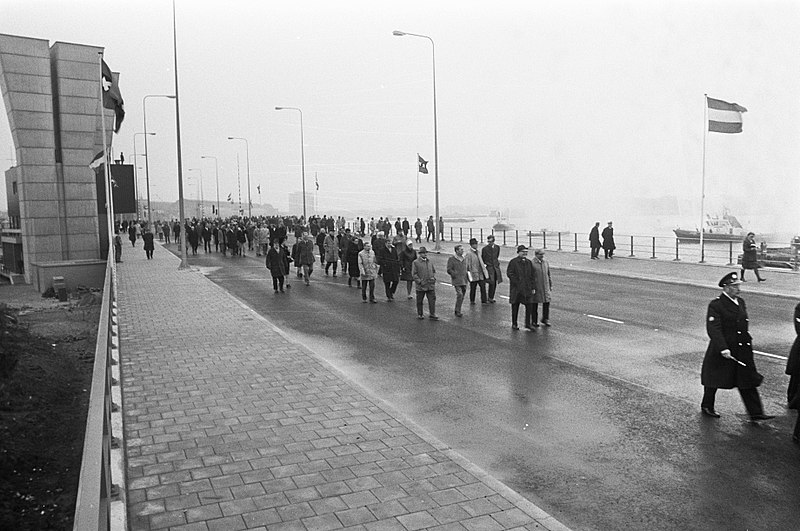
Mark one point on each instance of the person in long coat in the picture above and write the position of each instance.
(389, 261)
(793, 363)
(750, 256)
(521, 281)
(132, 234)
(542, 288)
(149, 245)
(278, 264)
(728, 361)
(305, 256)
(353, 248)
(424, 275)
(491, 259)
(331, 246)
(407, 257)
(368, 269)
(793, 370)
(594, 241)
(608, 241)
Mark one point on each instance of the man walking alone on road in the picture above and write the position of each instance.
(728, 361)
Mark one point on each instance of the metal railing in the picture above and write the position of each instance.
(95, 489)
(652, 247)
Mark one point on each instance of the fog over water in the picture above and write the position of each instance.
(560, 113)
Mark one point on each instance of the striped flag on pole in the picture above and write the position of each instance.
(724, 117)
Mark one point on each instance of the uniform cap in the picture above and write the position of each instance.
(729, 279)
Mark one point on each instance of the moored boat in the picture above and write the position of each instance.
(725, 228)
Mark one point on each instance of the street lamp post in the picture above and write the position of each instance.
(147, 159)
(136, 166)
(216, 176)
(202, 199)
(437, 237)
(247, 153)
(302, 156)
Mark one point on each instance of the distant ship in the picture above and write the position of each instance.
(503, 224)
(715, 228)
(458, 220)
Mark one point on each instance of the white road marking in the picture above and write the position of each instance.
(767, 354)
(604, 319)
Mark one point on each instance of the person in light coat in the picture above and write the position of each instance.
(476, 272)
(543, 286)
(368, 270)
(331, 246)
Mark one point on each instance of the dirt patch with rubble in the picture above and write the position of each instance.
(46, 359)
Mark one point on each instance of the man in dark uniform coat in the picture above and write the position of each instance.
(729, 362)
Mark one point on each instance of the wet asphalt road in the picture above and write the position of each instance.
(596, 419)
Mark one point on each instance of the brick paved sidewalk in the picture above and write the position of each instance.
(231, 425)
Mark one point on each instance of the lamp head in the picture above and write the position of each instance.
(398, 33)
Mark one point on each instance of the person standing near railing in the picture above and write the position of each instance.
(594, 241)
(608, 241)
(750, 256)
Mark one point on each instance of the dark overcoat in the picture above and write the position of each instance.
(521, 280)
(793, 363)
(608, 239)
(749, 255)
(407, 257)
(277, 262)
(727, 328)
(390, 264)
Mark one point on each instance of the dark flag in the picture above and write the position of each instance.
(423, 164)
(112, 98)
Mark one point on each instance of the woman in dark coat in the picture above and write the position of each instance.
(407, 256)
(750, 256)
(149, 245)
(278, 265)
(132, 234)
(353, 249)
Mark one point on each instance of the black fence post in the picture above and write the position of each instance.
(632, 255)
(677, 256)
(481, 234)
(730, 253)
(460, 234)
(654, 248)
(576, 243)
(516, 238)
(504, 238)
(559, 240)
(702, 252)
(544, 240)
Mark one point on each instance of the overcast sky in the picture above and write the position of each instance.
(552, 107)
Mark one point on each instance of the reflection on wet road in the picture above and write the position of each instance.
(595, 419)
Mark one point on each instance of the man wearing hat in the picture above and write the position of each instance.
(522, 281)
(728, 361)
(476, 272)
(424, 275)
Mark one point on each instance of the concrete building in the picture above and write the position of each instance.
(52, 98)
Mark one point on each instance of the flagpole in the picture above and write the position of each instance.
(106, 169)
(418, 157)
(239, 184)
(184, 259)
(703, 182)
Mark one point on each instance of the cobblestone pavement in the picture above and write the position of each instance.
(230, 425)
